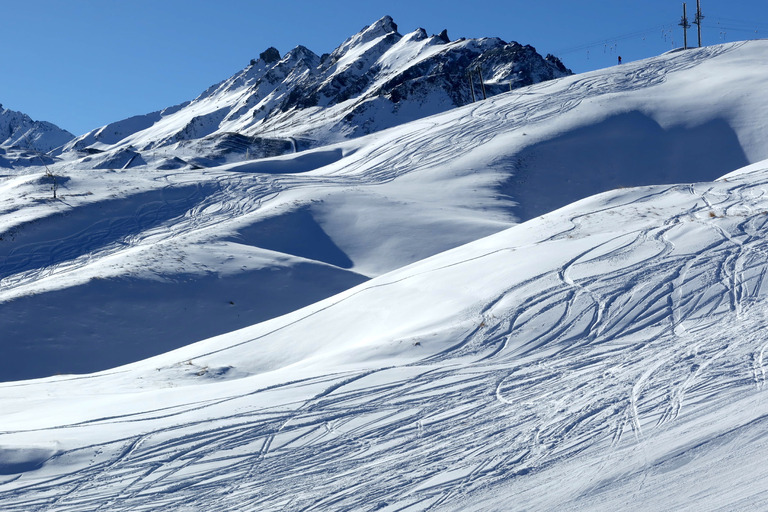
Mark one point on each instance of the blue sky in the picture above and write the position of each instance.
(82, 64)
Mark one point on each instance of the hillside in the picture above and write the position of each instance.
(611, 346)
(153, 259)
(553, 298)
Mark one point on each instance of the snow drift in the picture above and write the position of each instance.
(493, 342)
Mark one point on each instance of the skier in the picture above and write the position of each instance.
(619, 59)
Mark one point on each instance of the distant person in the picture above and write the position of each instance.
(619, 59)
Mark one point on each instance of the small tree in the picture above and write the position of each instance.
(48, 172)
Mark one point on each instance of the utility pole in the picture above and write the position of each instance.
(684, 23)
(482, 84)
(698, 19)
(471, 86)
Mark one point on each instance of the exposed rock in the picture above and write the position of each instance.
(270, 55)
(375, 79)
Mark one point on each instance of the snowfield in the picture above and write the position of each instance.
(554, 299)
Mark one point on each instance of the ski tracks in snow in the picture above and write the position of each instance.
(564, 363)
(588, 356)
(224, 197)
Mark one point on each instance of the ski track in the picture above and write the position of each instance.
(354, 445)
(240, 194)
(551, 369)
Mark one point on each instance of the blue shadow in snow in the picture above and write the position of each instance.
(111, 322)
(65, 236)
(626, 150)
(296, 233)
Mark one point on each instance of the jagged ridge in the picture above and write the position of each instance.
(375, 79)
(22, 140)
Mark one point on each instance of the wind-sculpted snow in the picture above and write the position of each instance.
(609, 352)
(374, 205)
(606, 338)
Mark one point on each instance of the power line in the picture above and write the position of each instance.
(622, 37)
(720, 23)
(750, 23)
(736, 29)
(724, 25)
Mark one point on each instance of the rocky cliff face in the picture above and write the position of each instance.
(415, 75)
(376, 79)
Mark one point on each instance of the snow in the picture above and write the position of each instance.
(555, 298)
(19, 132)
(374, 80)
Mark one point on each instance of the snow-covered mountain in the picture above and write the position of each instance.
(459, 334)
(197, 253)
(22, 140)
(376, 79)
(610, 352)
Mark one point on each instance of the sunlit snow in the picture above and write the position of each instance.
(554, 299)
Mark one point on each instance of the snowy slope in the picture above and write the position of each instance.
(601, 353)
(577, 361)
(152, 259)
(376, 79)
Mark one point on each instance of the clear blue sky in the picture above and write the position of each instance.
(82, 64)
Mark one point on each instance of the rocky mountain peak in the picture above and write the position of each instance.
(18, 130)
(385, 25)
(302, 53)
(417, 35)
(375, 79)
(270, 55)
(557, 63)
(381, 29)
